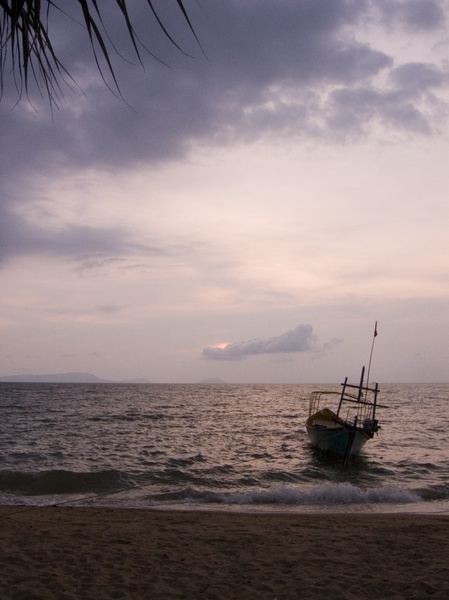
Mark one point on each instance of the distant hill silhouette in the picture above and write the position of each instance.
(64, 378)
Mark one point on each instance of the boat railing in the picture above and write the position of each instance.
(315, 399)
(356, 410)
(360, 408)
(358, 413)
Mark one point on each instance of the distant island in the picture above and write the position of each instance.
(65, 378)
(80, 377)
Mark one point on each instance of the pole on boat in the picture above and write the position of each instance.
(371, 354)
(359, 393)
(351, 434)
(351, 437)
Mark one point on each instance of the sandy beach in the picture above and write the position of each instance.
(83, 553)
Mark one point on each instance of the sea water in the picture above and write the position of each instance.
(225, 447)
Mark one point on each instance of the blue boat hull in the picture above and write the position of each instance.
(341, 441)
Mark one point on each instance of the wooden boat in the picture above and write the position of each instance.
(346, 431)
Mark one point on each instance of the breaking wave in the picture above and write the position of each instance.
(325, 494)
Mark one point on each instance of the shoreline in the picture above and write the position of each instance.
(421, 507)
(71, 552)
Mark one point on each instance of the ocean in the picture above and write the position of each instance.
(216, 447)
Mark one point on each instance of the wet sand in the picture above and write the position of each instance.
(104, 554)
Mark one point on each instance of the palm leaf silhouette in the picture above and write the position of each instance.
(27, 52)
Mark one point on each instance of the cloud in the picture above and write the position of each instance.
(417, 15)
(262, 55)
(300, 339)
(353, 112)
(291, 69)
(25, 230)
(418, 77)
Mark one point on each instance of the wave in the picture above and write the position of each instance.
(63, 482)
(435, 492)
(324, 494)
(106, 482)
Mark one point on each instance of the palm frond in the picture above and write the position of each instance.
(27, 52)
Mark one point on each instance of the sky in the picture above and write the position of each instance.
(244, 210)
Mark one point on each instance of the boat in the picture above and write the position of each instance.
(345, 431)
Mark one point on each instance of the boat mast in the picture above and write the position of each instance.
(359, 394)
(371, 355)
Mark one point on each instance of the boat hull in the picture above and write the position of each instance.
(340, 441)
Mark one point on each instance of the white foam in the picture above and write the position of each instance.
(324, 494)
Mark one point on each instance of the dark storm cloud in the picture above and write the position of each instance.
(259, 54)
(418, 15)
(295, 340)
(355, 109)
(414, 78)
(291, 68)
